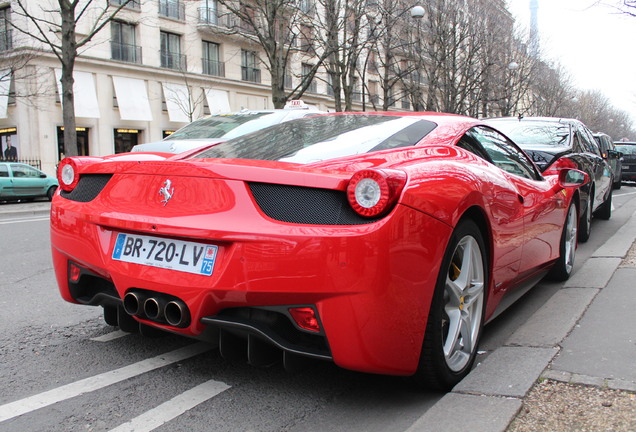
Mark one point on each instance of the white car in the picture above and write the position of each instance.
(222, 127)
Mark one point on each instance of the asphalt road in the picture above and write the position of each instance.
(63, 369)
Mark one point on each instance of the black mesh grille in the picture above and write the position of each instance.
(88, 187)
(304, 205)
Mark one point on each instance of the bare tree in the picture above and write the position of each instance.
(281, 29)
(55, 27)
(345, 27)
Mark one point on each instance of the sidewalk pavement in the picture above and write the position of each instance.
(18, 210)
(584, 334)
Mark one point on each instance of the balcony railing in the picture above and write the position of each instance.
(213, 67)
(250, 74)
(132, 4)
(172, 9)
(172, 60)
(6, 40)
(125, 52)
(208, 15)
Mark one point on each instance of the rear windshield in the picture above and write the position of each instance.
(318, 138)
(627, 149)
(534, 133)
(227, 125)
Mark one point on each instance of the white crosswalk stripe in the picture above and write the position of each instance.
(173, 408)
(41, 400)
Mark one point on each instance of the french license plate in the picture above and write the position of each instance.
(180, 255)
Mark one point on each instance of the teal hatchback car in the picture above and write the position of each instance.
(21, 181)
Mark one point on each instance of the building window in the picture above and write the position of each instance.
(374, 97)
(171, 51)
(307, 39)
(307, 7)
(249, 67)
(125, 139)
(123, 44)
(331, 78)
(132, 4)
(172, 9)
(306, 71)
(6, 41)
(212, 64)
(82, 135)
(208, 12)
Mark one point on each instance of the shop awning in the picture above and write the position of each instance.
(132, 99)
(177, 101)
(85, 94)
(218, 101)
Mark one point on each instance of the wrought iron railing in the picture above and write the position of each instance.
(125, 52)
(37, 163)
(213, 67)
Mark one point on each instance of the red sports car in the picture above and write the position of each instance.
(380, 241)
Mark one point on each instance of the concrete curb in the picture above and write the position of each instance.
(24, 210)
(492, 394)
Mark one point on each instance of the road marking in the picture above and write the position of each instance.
(110, 336)
(10, 221)
(623, 194)
(173, 408)
(68, 391)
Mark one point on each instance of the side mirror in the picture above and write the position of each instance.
(42, 175)
(570, 177)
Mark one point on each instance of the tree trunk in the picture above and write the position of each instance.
(68, 63)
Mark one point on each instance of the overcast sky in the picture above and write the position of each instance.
(596, 44)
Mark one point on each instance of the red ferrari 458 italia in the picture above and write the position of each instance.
(380, 241)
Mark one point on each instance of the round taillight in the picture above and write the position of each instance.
(67, 174)
(372, 193)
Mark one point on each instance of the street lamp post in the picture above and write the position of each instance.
(417, 13)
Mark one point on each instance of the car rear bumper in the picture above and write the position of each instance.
(370, 285)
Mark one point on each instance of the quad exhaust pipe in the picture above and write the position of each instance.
(157, 307)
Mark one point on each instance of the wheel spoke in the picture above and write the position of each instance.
(463, 297)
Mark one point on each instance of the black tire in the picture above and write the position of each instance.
(605, 210)
(437, 369)
(51, 192)
(585, 222)
(563, 266)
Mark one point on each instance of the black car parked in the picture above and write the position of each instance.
(628, 149)
(548, 139)
(611, 155)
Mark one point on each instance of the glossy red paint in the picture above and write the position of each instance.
(371, 284)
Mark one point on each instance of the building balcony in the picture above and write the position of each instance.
(132, 4)
(212, 67)
(173, 60)
(250, 74)
(209, 19)
(125, 52)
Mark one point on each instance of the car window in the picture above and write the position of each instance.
(503, 153)
(531, 133)
(324, 137)
(588, 142)
(24, 171)
(602, 143)
(626, 149)
(4, 171)
(221, 125)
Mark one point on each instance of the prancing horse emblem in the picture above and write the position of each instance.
(166, 192)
